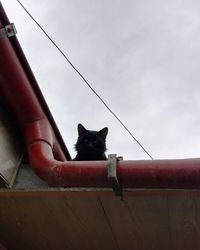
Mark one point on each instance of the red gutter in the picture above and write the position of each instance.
(47, 153)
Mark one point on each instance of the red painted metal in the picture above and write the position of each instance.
(131, 174)
(46, 150)
(26, 67)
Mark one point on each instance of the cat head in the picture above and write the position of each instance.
(91, 142)
(82, 131)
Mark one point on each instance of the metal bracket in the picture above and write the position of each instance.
(112, 175)
(8, 31)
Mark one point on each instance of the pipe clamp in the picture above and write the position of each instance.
(112, 175)
(8, 31)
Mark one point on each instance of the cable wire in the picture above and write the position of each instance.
(84, 79)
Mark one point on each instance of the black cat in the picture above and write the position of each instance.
(91, 145)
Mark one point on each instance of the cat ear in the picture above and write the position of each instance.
(103, 132)
(81, 129)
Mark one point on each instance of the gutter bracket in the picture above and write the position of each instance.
(8, 30)
(112, 175)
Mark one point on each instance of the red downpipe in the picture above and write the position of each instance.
(131, 174)
(46, 153)
(26, 67)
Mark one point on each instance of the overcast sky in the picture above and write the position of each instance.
(141, 56)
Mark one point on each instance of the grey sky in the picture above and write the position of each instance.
(141, 56)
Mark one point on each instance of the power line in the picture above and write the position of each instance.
(84, 79)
